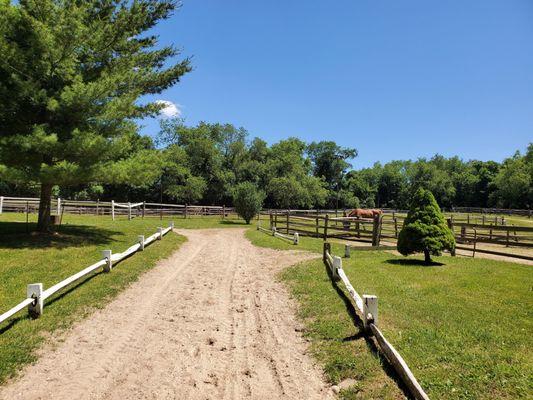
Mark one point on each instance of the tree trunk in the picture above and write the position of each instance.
(43, 223)
(427, 257)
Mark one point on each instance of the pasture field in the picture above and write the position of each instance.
(463, 325)
(26, 258)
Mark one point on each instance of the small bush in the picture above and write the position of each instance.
(248, 200)
(425, 229)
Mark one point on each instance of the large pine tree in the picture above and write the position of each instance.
(71, 75)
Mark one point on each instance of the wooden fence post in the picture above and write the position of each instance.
(326, 227)
(276, 219)
(140, 238)
(346, 251)
(129, 211)
(223, 211)
(58, 205)
(396, 227)
(113, 209)
(337, 264)
(316, 221)
(288, 212)
(1, 204)
(450, 226)
(375, 230)
(370, 310)
(109, 263)
(97, 206)
(296, 239)
(144, 209)
(326, 249)
(185, 214)
(35, 290)
(271, 220)
(160, 232)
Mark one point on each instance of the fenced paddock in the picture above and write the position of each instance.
(487, 234)
(113, 208)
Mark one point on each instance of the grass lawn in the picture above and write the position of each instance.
(26, 258)
(463, 327)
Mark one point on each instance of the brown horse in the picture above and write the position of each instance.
(362, 213)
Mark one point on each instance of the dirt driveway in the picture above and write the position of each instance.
(210, 322)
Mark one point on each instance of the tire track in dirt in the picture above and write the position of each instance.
(209, 322)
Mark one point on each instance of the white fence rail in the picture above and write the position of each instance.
(367, 308)
(294, 238)
(111, 208)
(36, 295)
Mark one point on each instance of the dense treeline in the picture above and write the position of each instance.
(203, 164)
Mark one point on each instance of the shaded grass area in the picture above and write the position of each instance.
(463, 325)
(26, 258)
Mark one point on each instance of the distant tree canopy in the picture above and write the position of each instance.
(71, 75)
(203, 164)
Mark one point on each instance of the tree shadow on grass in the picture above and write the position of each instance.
(230, 222)
(360, 334)
(17, 235)
(409, 262)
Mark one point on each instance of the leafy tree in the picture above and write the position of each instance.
(514, 183)
(71, 75)
(247, 200)
(425, 229)
(329, 164)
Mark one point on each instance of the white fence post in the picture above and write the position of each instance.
(113, 209)
(129, 210)
(35, 290)
(59, 206)
(1, 203)
(337, 264)
(171, 225)
(109, 263)
(346, 251)
(273, 231)
(370, 310)
(160, 231)
(296, 239)
(140, 238)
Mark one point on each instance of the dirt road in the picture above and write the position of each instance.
(211, 322)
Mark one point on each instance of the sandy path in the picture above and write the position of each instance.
(210, 322)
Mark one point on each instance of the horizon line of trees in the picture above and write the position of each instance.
(203, 164)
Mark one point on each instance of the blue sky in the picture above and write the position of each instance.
(394, 79)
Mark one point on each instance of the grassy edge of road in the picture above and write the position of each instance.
(27, 258)
(461, 325)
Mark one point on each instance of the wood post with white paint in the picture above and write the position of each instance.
(1, 204)
(140, 238)
(160, 232)
(113, 209)
(346, 251)
(106, 254)
(296, 239)
(370, 310)
(35, 291)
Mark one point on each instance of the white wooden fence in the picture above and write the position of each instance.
(36, 296)
(367, 308)
(294, 238)
(111, 208)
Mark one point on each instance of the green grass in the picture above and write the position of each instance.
(26, 258)
(464, 326)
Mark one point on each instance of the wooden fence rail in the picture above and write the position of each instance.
(36, 296)
(112, 208)
(367, 309)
